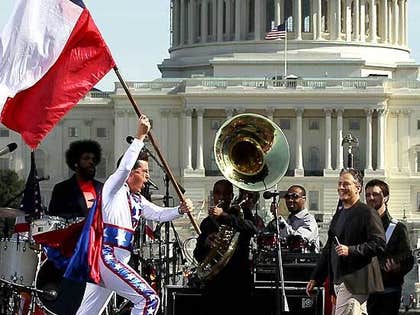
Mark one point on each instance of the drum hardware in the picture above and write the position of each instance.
(11, 213)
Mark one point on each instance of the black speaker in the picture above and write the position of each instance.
(187, 301)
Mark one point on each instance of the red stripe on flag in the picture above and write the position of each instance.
(84, 61)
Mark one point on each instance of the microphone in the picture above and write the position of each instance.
(152, 184)
(8, 148)
(129, 139)
(270, 194)
(42, 178)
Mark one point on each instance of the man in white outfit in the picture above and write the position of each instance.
(122, 206)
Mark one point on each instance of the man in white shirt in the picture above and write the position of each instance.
(300, 223)
(122, 207)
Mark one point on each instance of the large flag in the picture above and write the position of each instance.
(277, 32)
(51, 55)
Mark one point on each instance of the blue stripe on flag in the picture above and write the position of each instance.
(79, 3)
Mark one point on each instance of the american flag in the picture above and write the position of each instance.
(277, 32)
(31, 201)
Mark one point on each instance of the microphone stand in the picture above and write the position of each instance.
(279, 270)
(167, 231)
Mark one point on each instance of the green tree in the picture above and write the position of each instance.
(10, 187)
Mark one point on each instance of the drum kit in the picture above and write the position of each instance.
(264, 247)
(29, 283)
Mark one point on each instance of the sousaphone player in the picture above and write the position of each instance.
(252, 153)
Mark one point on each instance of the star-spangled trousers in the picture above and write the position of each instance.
(117, 276)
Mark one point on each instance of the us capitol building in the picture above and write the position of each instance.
(346, 70)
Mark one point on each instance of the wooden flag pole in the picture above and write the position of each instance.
(153, 141)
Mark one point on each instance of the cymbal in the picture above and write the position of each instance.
(6, 212)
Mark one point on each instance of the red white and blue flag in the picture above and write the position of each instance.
(277, 32)
(51, 55)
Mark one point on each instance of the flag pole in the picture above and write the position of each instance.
(285, 55)
(153, 141)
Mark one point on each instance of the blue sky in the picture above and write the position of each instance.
(137, 32)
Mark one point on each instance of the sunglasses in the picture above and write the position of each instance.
(293, 196)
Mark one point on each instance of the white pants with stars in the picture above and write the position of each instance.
(125, 281)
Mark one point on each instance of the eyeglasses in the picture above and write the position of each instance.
(293, 196)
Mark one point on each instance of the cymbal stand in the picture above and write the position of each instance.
(279, 270)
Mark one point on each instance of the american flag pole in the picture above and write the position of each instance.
(285, 52)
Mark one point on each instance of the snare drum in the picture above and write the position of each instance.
(47, 224)
(18, 261)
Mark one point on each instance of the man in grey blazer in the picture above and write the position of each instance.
(355, 237)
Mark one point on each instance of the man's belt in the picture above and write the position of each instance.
(117, 236)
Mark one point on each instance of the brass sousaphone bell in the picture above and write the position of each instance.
(251, 151)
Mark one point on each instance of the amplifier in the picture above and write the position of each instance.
(292, 272)
(188, 301)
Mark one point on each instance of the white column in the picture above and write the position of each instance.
(373, 22)
(204, 21)
(191, 17)
(219, 20)
(298, 18)
(164, 113)
(200, 154)
(327, 139)
(362, 20)
(182, 22)
(257, 19)
(188, 139)
(175, 25)
(368, 139)
(348, 21)
(402, 23)
(381, 139)
(318, 19)
(238, 20)
(299, 153)
(339, 139)
(337, 31)
(405, 23)
(385, 33)
(356, 21)
(395, 15)
(277, 12)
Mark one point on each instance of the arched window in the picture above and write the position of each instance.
(269, 12)
(251, 16)
(325, 18)
(288, 15)
(306, 16)
(314, 159)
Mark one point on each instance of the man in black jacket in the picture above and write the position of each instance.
(355, 237)
(397, 260)
(75, 196)
(229, 291)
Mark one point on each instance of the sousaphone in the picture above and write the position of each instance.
(253, 154)
(251, 151)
